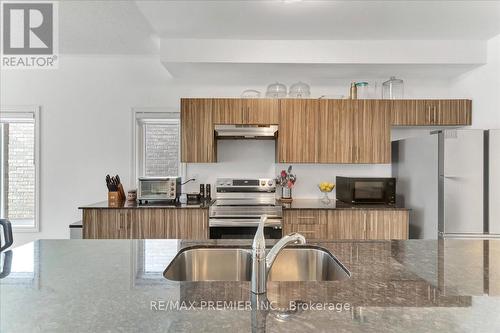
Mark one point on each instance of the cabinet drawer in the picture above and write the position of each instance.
(304, 216)
(309, 231)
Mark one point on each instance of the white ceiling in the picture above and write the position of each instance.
(310, 19)
(133, 27)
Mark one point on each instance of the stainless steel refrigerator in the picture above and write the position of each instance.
(450, 180)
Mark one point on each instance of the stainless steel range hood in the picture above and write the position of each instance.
(245, 132)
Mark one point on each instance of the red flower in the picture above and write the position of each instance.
(283, 173)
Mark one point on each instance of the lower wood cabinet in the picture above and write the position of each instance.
(312, 224)
(370, 224)
(154, 223)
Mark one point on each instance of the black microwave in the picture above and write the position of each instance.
(366, 190)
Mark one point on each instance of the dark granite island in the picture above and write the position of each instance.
(112, 285)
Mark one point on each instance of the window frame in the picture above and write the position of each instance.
(35, 110)
(172, 115)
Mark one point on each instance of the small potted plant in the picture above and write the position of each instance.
(286, 180)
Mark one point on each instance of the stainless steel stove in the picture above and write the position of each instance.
(239, 204)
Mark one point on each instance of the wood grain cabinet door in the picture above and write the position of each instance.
(197, 131)
(346, 224)
(189, 223)
(454, 112)
(298, 132)
(387, 224)
(107, 224)
(149, 224)
(410, 112)
(372, 132)
(307, 222)
(260, 111)
(228, 110)
(431, 112)
(335, 132)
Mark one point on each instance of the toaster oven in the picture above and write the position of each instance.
(158, 189)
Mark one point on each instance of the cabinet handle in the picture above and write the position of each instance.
(306, 217)
(429, 114)
(435, 115)
(357, 154)
(306, 231)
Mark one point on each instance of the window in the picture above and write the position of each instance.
(157, 143)
(153, 256)
(19, 157)
(24, 270)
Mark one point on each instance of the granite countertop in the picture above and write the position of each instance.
(295, 204)
(135, 205)
(117, 285)
(334, 204)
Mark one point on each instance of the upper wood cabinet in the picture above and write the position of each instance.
(197, 131)
(354, 131)
(261, 111)
(298, 132)
(431, 112)
(251, 111)
(227, 110)
(315, 130)
(373, 132)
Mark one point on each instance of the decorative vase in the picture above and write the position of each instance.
(286, 193)
(326, 200)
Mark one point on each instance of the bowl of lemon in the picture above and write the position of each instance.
(325, 188)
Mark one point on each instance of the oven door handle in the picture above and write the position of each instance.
(243, 223)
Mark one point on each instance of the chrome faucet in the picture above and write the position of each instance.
(261, 264)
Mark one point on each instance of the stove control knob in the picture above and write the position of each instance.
(270, 183)
(263, 183)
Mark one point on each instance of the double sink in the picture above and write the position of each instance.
(301, 263)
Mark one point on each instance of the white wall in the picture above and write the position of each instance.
(482, 85)
(86, 129)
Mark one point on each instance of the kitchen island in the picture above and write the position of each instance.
(117, 285)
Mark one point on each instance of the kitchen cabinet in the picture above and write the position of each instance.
(312, 224)
(147, 223)
(197, 131)
(227, 111)
(354, 131)
(356, 224)
(387, 224)
(372, 132)
(431, 112)
(347, 224)
(316, 130)
(298, 131)
(250, 111)
(261, 111)
(107, 223)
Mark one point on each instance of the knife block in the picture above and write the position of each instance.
(114, 199)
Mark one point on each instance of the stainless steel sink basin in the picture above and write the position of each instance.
(304, 263)
(210, 264)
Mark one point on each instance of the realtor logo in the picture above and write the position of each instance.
(29, 38)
